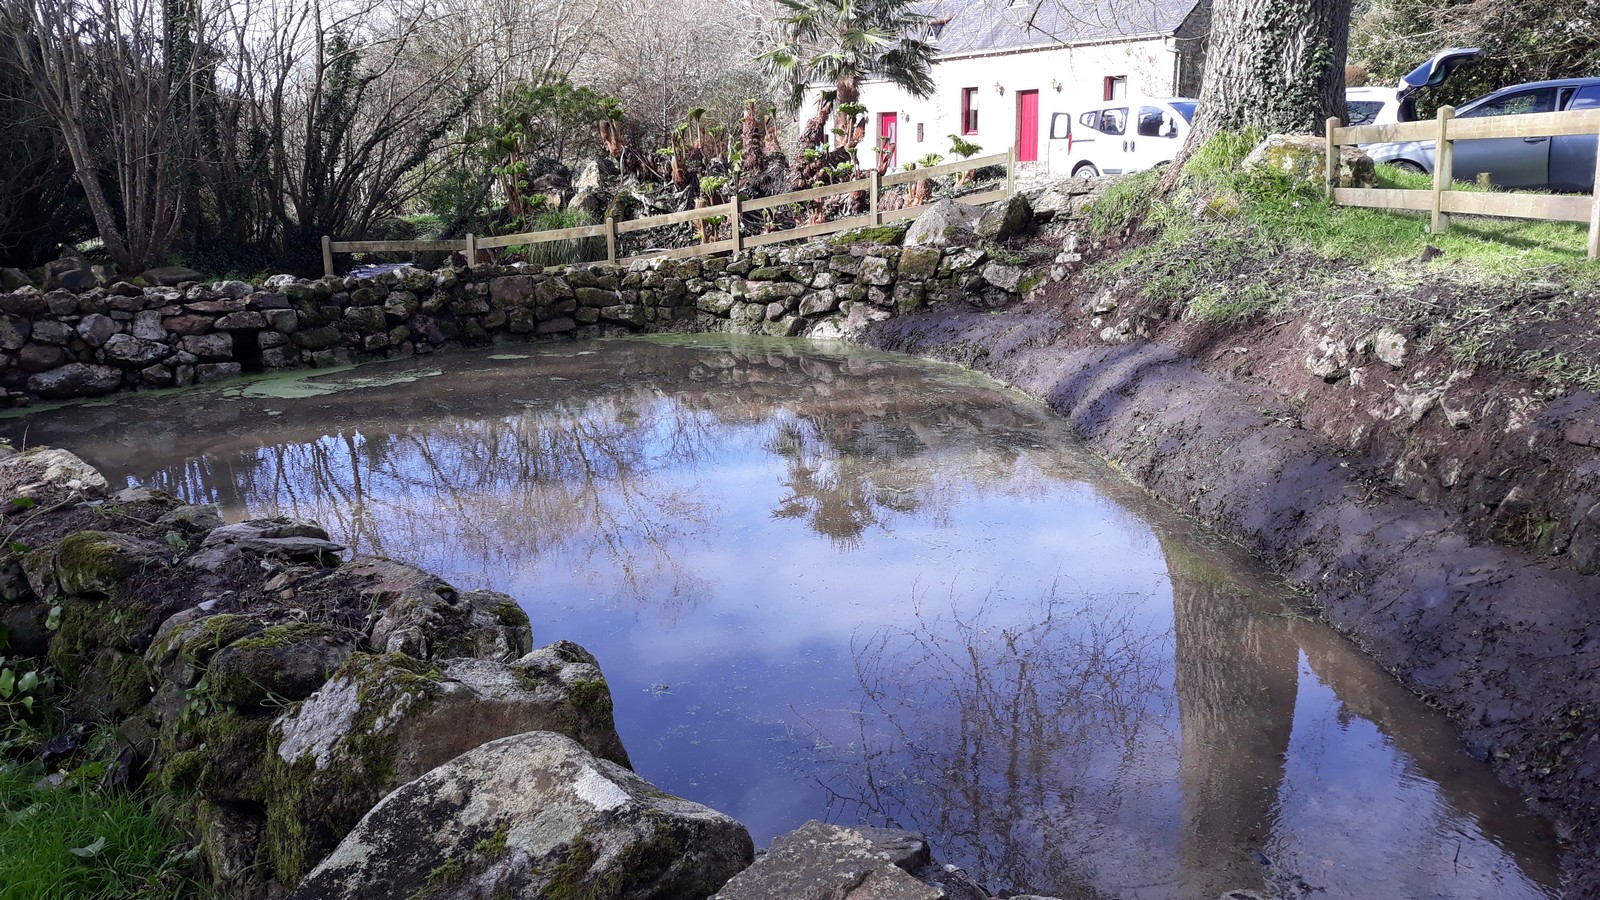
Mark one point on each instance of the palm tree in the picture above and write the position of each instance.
(841, 42)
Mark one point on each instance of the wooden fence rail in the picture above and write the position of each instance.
(1442, 200)
(732, 211)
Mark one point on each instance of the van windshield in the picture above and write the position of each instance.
(1185, 108)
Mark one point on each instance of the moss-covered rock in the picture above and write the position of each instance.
(281, 663)
(542, 818)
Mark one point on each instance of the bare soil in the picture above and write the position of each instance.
(1445, 517)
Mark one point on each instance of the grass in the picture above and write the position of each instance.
(1228, 244)
(75, 841)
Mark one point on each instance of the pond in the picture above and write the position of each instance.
(830, 583)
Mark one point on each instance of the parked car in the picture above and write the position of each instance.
(1541, 163)
(1386, 105)
(1119, 136)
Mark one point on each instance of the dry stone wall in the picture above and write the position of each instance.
(126, 336)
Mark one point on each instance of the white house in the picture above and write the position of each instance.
(1004, 68)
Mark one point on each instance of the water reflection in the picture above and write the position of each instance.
(846, 585)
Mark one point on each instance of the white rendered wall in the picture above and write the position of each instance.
(1150, 65)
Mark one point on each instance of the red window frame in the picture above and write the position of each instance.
(1112, 82)
(969, 110)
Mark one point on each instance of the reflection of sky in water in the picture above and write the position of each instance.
(872, 595)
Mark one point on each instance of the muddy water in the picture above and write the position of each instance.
(836, 584)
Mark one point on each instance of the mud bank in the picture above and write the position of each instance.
(1503, 641)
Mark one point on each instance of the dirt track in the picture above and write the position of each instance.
(1506, 643)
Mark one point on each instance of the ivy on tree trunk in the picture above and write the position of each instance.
(1276, 65)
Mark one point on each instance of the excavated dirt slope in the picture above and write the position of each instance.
(1435, 527)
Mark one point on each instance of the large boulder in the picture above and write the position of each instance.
(945, 224)
(532, 816)
(383, 720)
(1006, 219)
(75, 380)
(50, 475)
(1303, 157)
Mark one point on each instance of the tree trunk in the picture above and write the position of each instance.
(1277, 65)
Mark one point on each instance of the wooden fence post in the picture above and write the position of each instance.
(327, 256)
(1011, 171)
(1332, 149)
(1443, 170)
(1594, 215)
(472, 249)
(873, 190)
(611, 240)
(737, 232)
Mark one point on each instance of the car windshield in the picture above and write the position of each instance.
(1185, 108)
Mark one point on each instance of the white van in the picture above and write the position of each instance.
(1119, 136)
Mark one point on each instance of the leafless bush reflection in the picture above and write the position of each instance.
(1017, 744)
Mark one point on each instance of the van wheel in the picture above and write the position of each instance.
(1086, 170)
(1409, 167)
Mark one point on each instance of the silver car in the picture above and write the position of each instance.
(1542, 163)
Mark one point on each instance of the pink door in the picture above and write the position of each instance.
(889, 138)
(1027, 126)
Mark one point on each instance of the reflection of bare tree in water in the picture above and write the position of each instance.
(993, 738)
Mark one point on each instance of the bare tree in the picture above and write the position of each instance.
(100, 68)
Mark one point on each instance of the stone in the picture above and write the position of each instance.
(76, 380)
(317, 338)
(147, 326)
(1303, 157)
(156, 376)
(210, 347)
(206, 373)
(717, 303)
(77, 281)
(532, 815)
(170, 276)
(47, 332)
(40, 357)
(208, 306)
(1006, 219)
(130, 352)
(555, 326)
(285, 662)
(944, 224)
(242, 321)
(830, 862)
(265, 301)
(422, 616)
(400, 305)
(875, 270)
(233, 290)
(632, 314)
(296, 540)
(188, 324)
(1389, 346)
(818, 302)
(918, 263)
(62, 303)
(774, 291)
(366, 319)
(1002, 276)
(284, 320)
(49, 475)
(14, 332)
(14, 279)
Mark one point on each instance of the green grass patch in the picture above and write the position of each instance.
(75, 841)
(1228, 244)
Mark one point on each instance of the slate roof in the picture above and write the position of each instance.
(981, 26)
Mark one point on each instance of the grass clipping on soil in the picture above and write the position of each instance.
(1230, 244)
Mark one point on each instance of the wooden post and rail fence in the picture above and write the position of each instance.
(732, 212)
(1442, 201)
